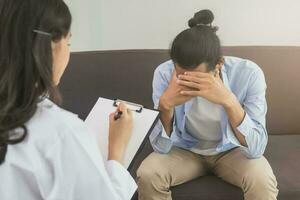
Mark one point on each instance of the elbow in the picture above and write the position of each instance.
(161, 145)
(257, 148)
(254, 155)
(162, 149)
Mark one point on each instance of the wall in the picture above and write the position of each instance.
(152, 24)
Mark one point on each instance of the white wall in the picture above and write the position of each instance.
(152, 24)
(87, 24)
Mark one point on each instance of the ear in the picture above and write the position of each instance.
(56, 45)
(220, 63)
(53, 45)
(218, 70)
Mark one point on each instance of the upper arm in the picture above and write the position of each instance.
(160, 82)
(255, 103)
(253, 126)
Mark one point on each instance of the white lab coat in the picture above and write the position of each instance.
(60, 160)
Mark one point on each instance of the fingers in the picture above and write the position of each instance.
(188, 84)
(129, 112)
(193, 85)
(198, 74)
(122, 107)
(195, 79)
(112, 117)
(191, 93)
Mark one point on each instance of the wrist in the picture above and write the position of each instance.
(116, 152)
(230, 101)
(164, 105)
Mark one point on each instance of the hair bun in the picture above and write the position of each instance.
(202, 17)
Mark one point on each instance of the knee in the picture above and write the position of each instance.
(152, 174)
(260, 182)
(144, 172)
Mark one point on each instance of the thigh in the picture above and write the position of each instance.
(236, 168)
(178, 166)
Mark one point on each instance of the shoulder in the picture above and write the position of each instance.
(245, 76)
(235, 65)
(51, 124)
(165, 68)
(164, 71)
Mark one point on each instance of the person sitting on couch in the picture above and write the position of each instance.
(213, 113)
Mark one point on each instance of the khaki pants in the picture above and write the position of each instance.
(158, 172)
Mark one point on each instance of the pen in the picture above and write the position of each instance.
(118, 115)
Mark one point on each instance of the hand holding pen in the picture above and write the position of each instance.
(118, 115)
(120, 130)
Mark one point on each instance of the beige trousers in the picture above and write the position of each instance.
(159, 172)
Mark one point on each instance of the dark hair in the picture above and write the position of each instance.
(198, 44)
(27, 29)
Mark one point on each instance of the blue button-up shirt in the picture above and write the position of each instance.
(246, 81)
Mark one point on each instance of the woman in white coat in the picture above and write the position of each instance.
(45, 151)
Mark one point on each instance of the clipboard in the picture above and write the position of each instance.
(144, 121)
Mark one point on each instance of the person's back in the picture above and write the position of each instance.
(45, 151)
(58, 159)
(46, 155)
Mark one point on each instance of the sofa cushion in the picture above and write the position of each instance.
(207, 187)
(283, 153)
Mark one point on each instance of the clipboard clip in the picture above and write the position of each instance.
(132, 106)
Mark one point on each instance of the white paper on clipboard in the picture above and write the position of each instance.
(98, 123)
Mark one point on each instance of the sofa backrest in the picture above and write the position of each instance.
(127, 74)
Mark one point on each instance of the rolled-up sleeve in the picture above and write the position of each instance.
(253, 126)
(159, 140)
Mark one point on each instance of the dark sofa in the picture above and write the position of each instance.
(128, 75)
